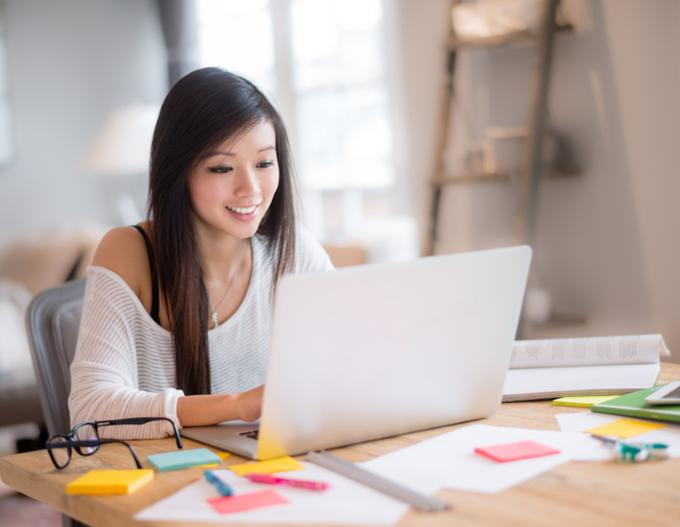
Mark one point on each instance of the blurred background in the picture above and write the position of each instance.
(418, 127)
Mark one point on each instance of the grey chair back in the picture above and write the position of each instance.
(52, 323)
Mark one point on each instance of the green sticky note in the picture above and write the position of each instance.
(183, 459)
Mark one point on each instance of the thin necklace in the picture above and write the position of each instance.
(213, 309)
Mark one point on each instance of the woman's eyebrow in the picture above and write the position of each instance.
(218, 153)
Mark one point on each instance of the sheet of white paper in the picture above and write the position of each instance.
(580, 421)
(541, 383)
(449, 459)
(345, 502)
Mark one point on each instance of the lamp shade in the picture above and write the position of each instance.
(123, 144)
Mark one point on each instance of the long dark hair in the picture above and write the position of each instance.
(202, 110)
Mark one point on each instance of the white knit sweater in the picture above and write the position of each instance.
(124, 365)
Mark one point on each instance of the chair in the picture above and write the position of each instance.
(52, 323)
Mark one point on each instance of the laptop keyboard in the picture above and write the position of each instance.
(251, 434)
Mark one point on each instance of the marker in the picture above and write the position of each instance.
(297, 483)
(221, 486)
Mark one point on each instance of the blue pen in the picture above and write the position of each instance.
(221, 486)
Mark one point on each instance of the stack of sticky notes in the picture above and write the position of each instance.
(515, 451)
(183, 459)
(110, 481)
(584, 401)
(280, 464)
(247, 501)
(625, 428)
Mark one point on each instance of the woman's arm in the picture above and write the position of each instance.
(103, 375)
(201, 410)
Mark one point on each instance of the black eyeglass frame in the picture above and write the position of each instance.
(71, 442)
(129, 421)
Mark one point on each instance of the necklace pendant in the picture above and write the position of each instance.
(215, 320)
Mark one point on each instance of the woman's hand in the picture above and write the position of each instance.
(249, 404)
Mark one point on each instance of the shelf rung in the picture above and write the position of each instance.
(472, 178)
(513, 37)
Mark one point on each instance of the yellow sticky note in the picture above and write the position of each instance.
(280, 464)
(585, 401)
(625, 428)
(110, 481)
(219, 454)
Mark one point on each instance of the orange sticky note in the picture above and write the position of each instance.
(246, 502)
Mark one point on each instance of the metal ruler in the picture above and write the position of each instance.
(419, 501)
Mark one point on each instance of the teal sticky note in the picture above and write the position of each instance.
(183, 459)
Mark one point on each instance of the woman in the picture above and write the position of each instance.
(177, 313)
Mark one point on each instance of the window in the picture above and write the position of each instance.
(322, 62)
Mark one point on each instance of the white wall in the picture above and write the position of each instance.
(70, 63)
(645, 56)
(607, 241)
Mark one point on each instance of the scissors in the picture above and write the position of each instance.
(635, 451)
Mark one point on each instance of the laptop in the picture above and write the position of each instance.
(373, 351)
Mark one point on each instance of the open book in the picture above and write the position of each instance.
(545, 369)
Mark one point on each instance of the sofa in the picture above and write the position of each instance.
(29, 265)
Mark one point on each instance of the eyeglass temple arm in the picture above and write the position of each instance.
(142, 421)
(106, 441)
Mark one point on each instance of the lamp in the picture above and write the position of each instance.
(121, 148)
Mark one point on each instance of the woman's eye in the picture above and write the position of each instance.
(265, 164)
(220, 170)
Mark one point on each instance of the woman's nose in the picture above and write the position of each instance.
(247, 183)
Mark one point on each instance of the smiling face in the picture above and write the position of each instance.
(233, 186)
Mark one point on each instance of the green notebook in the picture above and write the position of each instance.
(633, 404)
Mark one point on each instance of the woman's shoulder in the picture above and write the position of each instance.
(122, 251)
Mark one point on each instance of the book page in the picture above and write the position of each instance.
(592, 351)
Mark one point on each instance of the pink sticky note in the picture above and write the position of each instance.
(245, 502)
(515, 451)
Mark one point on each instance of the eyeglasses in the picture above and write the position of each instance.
(85, 440)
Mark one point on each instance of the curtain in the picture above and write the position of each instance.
(180, 31)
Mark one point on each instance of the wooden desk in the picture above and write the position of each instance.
(576, 493)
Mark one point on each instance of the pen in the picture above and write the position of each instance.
(297, 483)
(635, 451)
(221, 486)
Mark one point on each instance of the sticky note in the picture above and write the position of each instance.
(280, 464)
(183, 459)
(583, 402)
(625, 428)
(245, 502)
(110, 481)
(219, 454)
(516, 451)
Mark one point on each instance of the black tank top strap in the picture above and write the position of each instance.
(155, 306)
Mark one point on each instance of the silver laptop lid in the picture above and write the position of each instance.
(379, 350)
